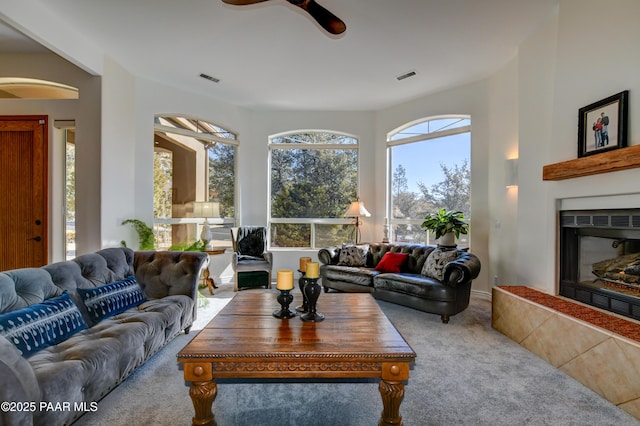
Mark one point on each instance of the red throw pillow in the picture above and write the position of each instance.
(391, 262)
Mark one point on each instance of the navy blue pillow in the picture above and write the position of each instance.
(45, 324)
(111, 299)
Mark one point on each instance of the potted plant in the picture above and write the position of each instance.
(145, 234)
(447, 224)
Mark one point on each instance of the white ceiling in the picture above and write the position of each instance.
(272, 55)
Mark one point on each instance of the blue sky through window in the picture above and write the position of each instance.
(422, 160)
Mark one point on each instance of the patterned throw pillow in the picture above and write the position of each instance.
(45, 324)
(352, 255)
(434, 265)
(111, 299)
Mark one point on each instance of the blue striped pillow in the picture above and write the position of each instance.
(111, 299)
(45, 324)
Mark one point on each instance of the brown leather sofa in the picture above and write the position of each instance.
(409, 287)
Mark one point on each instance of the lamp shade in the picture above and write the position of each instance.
(206, 209)
(357, 209)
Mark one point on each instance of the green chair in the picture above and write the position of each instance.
(251, 262)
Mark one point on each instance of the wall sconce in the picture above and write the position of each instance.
(511, 172)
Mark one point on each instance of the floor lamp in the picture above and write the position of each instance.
(357, 210)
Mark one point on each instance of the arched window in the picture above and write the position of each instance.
(429, 169)
(194, 181)
(314, 178)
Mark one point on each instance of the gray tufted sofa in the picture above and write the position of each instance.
(74, 374)
(408, 287)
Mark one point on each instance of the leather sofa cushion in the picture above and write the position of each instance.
(352, 275)
(416, 285)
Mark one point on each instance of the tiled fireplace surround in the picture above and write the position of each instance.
(599, 349)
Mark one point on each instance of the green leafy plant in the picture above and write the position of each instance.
(185, 246)
(145, 234)
(445, 221)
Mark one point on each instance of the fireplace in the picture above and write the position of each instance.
(600, 259)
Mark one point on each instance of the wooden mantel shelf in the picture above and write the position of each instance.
(611, 161)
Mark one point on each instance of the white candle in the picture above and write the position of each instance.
(285, 279)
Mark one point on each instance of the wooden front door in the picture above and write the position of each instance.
(23, 192)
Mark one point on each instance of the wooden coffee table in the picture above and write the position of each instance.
(356, 340)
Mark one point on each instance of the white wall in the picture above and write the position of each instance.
(117, 166)
(569, 64)
(503, 145)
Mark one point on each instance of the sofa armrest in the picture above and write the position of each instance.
(167, 273)
(461, 270)
(18, 383)
(329, 255)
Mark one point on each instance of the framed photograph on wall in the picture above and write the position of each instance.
(602, 126)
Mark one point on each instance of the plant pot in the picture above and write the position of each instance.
(448, 240)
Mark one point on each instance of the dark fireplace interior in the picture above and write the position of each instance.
(600, 259)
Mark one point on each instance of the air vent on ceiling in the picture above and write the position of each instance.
(407, 75)
(208, 77)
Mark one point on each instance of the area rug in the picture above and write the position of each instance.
(466, 373)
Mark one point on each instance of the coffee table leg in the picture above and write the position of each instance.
(392, 393)
(202, 395)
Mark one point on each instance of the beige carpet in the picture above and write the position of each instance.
(466, 373)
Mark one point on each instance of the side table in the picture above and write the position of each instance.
(206, 280)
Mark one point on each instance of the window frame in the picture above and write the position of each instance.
(310, 221)
(199, 135)
(391, 143)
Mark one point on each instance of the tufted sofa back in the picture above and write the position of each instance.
(27, 286)
(166, 273)
(417, 254)
(159, 274)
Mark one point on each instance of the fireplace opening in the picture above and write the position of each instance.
(600, 259)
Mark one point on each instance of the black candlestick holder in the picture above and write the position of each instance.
(312, 292)
(284, 298)
(305, 302)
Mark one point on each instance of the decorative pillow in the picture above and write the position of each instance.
(391, 262)
(434, 265)
(352, 255)
(45, 324)
(111, 299)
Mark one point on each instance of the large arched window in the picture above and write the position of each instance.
(194, 181)
(429, 169)
(314, 178)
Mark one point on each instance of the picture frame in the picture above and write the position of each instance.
(594, 136)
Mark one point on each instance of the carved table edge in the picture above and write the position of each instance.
(404, 357)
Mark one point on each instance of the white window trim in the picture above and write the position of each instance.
(307, 221)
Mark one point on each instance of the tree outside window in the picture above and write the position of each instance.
(430, 170)
(313, 179)
(194, 162)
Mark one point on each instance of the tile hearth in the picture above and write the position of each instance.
(599, 349)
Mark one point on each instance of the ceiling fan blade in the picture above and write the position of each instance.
(242, 2)
(326, 19)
